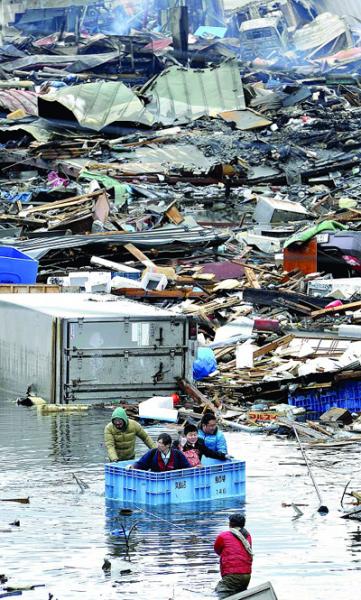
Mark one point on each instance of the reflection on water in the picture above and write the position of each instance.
(65, 532)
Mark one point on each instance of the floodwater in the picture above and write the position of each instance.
(65, 532)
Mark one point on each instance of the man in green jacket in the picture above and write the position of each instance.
(120, 434)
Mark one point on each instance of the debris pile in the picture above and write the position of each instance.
(208, 173)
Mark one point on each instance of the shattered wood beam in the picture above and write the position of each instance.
(252, 278)
(336, 309)
(318, 427)
(140, 256)
(63, 203)
(272, 345)
(255, 268)
(303, 429)
(192, 391)
(339, 444)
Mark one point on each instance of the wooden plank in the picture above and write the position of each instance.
(194, 393)
(252, 278)
(62, 203)
(336, 309)
(174, 215)
(140, 255)
(36, 288)
(255, 268)
(272, 345)
(339, 444)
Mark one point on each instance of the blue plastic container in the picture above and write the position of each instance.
(127, 275)
(17, 267)
(215, 480)
(343, 395)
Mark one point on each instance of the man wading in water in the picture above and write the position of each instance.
(235, 549)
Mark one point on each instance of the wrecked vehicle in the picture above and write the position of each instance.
(262, 37)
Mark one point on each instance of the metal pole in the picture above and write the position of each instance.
(322, 508)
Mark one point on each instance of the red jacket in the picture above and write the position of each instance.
(234, 556)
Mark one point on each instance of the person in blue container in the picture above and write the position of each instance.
(163, 458)
(211, 435)
(194, 448)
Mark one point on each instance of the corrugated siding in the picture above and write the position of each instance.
(339, 7)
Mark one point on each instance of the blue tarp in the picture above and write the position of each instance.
(207, 32)
(204, 364)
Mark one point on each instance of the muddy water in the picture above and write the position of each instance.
(64, 534)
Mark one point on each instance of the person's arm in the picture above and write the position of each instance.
(142, 434)
(218, 545)
(144, 463)
(109, 441)
(221, 443)
(208, 452)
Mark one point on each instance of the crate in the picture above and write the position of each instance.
(343, 395)
(215, 480)
(17, 267)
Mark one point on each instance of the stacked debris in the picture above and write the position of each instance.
(217, 182)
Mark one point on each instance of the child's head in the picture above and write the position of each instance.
(191, 433)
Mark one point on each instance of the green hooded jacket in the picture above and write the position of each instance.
(120, 445)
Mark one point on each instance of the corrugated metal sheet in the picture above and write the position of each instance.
(19, 99)
(180, 95)
(325, 28)
(78, 62)
(170, 157)
(96, 105)
(167, 235)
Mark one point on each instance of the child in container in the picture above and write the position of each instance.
(194, 448)
(163, 458)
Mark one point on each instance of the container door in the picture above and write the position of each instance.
(104, 359)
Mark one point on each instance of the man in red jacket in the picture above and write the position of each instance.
(235, 549)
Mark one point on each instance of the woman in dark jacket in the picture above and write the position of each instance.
(162, 458)
(194, 448)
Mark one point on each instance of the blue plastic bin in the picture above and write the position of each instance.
(17, 267)
(127, 275)
(343, 395)
(215, 480)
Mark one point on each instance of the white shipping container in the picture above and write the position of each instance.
(89, 348)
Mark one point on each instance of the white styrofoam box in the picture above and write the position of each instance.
(92, 281)
(154, 281)
(125, 282)
(160, 408)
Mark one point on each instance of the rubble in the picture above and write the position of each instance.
(177, 170)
